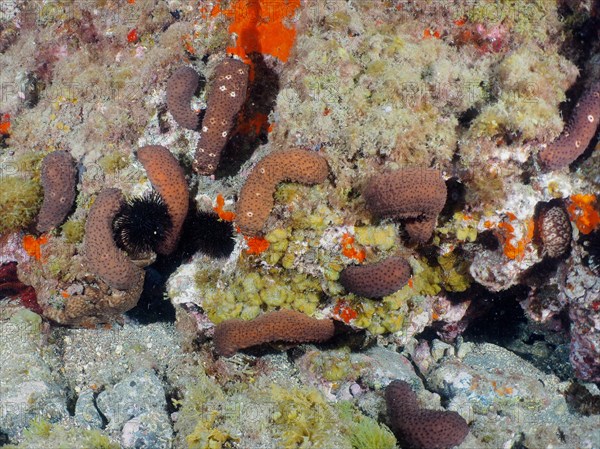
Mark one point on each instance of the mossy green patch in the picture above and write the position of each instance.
(529, 20)
(380, 237)
(73, 230)
(304, 419)
(42, 434)
(198, 422)
(113, 162)
(20, 201)
(365, 432)
(293, 416)
(334, 366)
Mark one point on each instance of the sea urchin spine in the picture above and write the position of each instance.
(142, 223)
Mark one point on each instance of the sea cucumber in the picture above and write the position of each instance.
(103, 256)
(224, 100)
(168, 178)
(256, 197)
(415, 194)
(578, 133)
(420, 428)
(59, 179)
(283, 325)
(180, 88)
(378, 279)
(554, 229)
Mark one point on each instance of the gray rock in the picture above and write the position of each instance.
(137, 406)
(148, 430)
(28, 386)
(86, 412)
(509, 401)
(440, 349)
(388, 365)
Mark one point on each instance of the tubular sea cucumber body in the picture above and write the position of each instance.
(418, 194)
(59, 179)
(378, 279)
(282, 325)
(180, 89)
(104, 258)
(168, 178)
(256, 197)
(422, 428)
(226, 97)
(578, 133)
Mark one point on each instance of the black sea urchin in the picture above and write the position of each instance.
(142, 223)
(203, 231)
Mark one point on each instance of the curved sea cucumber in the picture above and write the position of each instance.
(256, 197)
(378, 279)
(103, 256)
(168, 178)
(283, 325)
(420, 428)
(417, 194)
(224, 100)
(59, 180)
(180, 88)
(578, 133)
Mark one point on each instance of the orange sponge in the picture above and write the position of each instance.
(256, 197)
(168, 178)
(283, 325)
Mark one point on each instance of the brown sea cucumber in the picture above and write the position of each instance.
(224, 100)
(59, 180)
(103, 256)
(554, 230)
(180, 88)
(283, 325)
(378, 279)
(168, 178)
(415, 194)
(256, 197)
(420, 428)
(577, 135)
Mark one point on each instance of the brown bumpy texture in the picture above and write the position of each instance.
(555, 231)
(578, 133)
(225, 99)
(256, 197)
(168, 178)
(378, 279)
(103, 256)
(419, 428)
(59, 179)
(415, 194)
(180, 89)
(283, 325)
